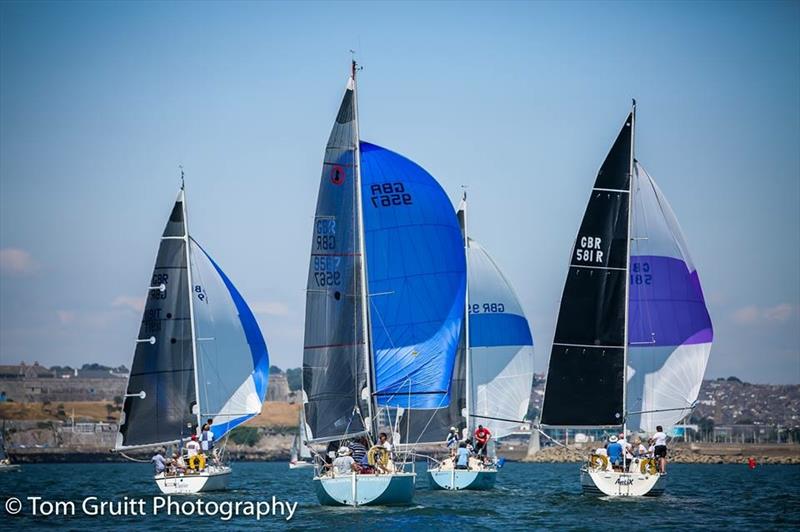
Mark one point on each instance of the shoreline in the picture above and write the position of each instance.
(691, 453)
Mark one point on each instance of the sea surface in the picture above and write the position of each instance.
(527, 497)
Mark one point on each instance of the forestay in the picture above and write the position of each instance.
(232, 358)
(670, 330)
(501, 347)
(335, 371)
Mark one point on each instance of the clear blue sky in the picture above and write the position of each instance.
(100, 102)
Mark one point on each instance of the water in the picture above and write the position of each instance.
(527, 496)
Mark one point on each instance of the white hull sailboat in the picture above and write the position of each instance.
(213, 478)
(300, 454)
(497, 346)
(200, 356)
(633, 334)
(634, 483)
(5, 461)
(371, 351)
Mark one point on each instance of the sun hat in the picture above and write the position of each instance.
(613, 439)
(344, 451)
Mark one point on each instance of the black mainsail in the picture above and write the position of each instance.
(586, 375)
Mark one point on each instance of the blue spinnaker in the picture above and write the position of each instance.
(416, 270)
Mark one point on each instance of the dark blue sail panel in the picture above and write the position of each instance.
(416, 270)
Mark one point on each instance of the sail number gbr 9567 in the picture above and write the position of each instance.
(389, 195)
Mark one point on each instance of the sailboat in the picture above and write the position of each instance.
(300, 455)
(5, 461)
(498, 349)
(199, 355)
(633, 335)
(384, 307)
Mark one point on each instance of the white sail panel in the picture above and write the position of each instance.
(670, 330)
(501, 347)
(232, 365)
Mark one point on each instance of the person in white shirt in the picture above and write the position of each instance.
(344, 463)
(626, 449)
(194, 454)
(639, 450)
(660, 449)
(383, 441)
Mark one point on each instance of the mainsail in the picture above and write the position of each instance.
(670, 330)
(200, 353)
(335, 370)
(585, 380)
(163, 362)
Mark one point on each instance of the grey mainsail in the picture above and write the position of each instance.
(161, 396)
(335, 370)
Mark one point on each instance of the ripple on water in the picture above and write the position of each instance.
(527, 496)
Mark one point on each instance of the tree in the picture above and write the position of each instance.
(244, 435)
(294, 376)
(118, 400)
(275, 370)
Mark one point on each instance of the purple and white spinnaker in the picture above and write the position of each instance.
(669, 328)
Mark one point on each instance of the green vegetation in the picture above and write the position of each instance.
(294, 377)
(245, 436)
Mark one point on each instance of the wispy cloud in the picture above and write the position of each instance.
(15, 261)
(753, 314)
(65, 316)
(270, 308)
(131, 302)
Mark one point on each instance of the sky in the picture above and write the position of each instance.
(101, 102)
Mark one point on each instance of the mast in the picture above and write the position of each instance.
(467, 353)
(191, 303)
(628, 274)
(371, 404)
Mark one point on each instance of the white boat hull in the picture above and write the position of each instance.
(300, 465)
(9, 467)
(213, 479)
(461, 479)
(620, 484)
(360, 490)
